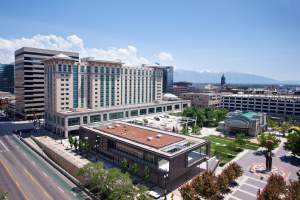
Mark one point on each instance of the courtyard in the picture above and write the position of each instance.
(227, 148)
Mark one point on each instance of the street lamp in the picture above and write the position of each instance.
(166, 176)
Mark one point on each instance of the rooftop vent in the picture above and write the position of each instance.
(158, 136)
(149, 138)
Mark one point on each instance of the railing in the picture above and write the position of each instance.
(199, 158)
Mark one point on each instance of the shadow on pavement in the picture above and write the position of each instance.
(290, 159)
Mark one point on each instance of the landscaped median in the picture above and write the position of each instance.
(228, 148)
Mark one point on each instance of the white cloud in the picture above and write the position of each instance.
(128, 55)
(164, 56)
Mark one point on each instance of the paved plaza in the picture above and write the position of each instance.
(251, 182)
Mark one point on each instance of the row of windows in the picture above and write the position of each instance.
(117, 115)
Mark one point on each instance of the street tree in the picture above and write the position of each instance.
(75, 143)
(146, 174)
(223, 183)
(293, 190)
(293, 143)
(187, 192)
(124, 164)
(205, 185)
(71, 141)
(111, 184)
(268, 141)
(274, 190)
(135, 168)
(3, 194)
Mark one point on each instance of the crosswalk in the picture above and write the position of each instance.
(247, 189)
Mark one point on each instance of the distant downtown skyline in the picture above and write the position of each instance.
(257, 37)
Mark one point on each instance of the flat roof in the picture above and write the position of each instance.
(140, 135)
(263, 96)
(119, 108)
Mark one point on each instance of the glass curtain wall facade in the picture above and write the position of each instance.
(7, 78)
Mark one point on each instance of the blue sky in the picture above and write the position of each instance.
(255, 36)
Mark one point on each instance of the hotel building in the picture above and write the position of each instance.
(29, 80)
(170, 158)
(97, 91)
(275, 105)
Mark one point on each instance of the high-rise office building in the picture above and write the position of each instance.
(168, 74)
(29, 79)
(96, 90)
(7, 78)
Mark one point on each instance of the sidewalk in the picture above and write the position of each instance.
(63, 150)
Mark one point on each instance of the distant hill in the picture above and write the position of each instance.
(215, 77)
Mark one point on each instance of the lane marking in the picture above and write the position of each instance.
(44, 174)
(5, 147)
(14, 180)
(35, 181)
(60, 189)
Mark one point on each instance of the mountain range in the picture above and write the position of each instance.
(231, 77)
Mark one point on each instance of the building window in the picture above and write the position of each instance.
(104, 117)
(84, 119)
(116, 115)
(134, 113)
(151, 110)
(74, 121)
(143, 111)
(158, 109)
(95, 118)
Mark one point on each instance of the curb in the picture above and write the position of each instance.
(58, 168)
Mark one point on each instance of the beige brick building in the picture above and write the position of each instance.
(73, 88)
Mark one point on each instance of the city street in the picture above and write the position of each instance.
(24, 175)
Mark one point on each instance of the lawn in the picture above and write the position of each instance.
(226, 148)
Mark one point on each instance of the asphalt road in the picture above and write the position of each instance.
(24, 175)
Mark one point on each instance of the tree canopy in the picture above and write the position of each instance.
(268, 141)
(293, 143)
(111, 184)
(206, 116)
